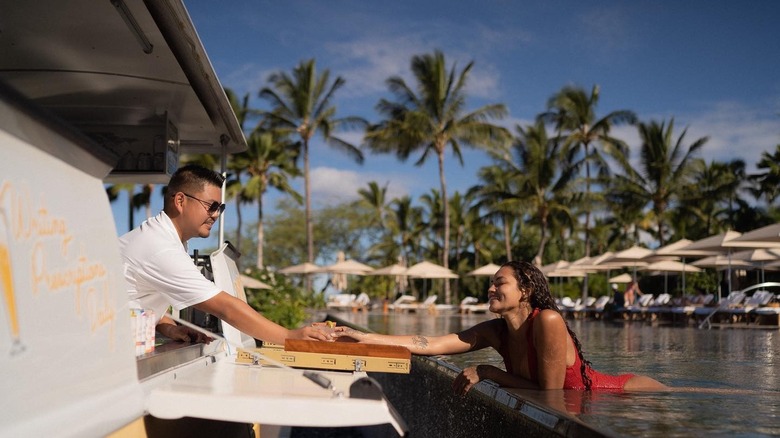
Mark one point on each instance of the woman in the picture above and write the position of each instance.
(632, 291)
(539, 349)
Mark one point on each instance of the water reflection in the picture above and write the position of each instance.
(737, 366)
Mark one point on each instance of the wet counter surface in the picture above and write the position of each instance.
(168, 355)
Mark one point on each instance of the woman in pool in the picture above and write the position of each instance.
(539, 349)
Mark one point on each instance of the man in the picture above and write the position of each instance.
(161, 273)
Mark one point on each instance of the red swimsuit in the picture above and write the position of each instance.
(573, 378)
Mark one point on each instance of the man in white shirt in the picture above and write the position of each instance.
(161, 273)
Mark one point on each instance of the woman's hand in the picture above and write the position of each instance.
(470, 377)
(349, 333)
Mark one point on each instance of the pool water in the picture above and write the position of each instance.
(736, 373)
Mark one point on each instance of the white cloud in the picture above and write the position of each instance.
(249, 78)
(334, 186)
(367, 62)
(735, 132)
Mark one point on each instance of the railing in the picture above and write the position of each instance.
(722, 305)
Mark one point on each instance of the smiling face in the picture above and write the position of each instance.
(504, 294)
(198, 221)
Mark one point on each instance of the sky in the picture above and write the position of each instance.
(712, 66)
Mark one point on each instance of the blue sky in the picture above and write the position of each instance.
(713, 66)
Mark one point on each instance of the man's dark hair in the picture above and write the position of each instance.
(192, 179)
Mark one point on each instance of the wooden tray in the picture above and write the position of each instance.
(345, 356)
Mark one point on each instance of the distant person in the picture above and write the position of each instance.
(725, 287)
(539, 349)
(161, 273)
(618, 298)
(631, 293)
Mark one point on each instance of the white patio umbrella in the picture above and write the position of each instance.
(557, 266)
(487, 270)
(348, 267)
(429, 270)
(677, 249)
(630, 258)
(303, 268)
(342, 268)
(253, 283)
(764, 237)
(721, 262)
(667, 266)
(622, 278)
(398, 270)
(716, 243)
(758, 257)
(395, 269)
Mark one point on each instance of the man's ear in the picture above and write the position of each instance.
(177, 202)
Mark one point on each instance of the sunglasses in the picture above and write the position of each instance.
(211, 207)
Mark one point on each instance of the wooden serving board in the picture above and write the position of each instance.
(344, 356)
(348, 348)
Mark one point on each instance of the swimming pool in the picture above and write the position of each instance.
(739, 368)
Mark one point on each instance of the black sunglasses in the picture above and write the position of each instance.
(211, 207)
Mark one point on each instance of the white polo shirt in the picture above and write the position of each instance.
(159, 269)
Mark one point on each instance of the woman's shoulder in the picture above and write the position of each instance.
(548, 317)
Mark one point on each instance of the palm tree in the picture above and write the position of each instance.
(432, 207)
(545, 173)
(303, 104)
(431, 119)
(268, 161)
(664, 169)
(704, 207)
(113, 192)
(499, 200)
(573, 113)
(375, 198)
(234, 184)
(768, 182)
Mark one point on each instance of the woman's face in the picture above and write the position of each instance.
(504, 294)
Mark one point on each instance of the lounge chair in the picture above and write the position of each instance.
(732, 300)
(472, 305)
(685, 311)
(598, 305)
(741, 313)
(340, 301)
(362, 302)
(429, 304)
(403, 303)
(767, 314)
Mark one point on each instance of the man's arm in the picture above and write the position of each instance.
(244, 318)
(168, 328)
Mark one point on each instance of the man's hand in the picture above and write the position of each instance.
(182, 333)
(317, 332)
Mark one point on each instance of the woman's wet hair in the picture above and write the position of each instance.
(530, 278)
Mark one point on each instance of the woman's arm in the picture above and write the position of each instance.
(472, 375)
(474, 338)
(550, 340)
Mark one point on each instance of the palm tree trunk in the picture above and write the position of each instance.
(507, 238)
(446, 213)
(239, 222)
(260, 235)
(309, 222)
(542, 243)
(130, 209)
(587, 220)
